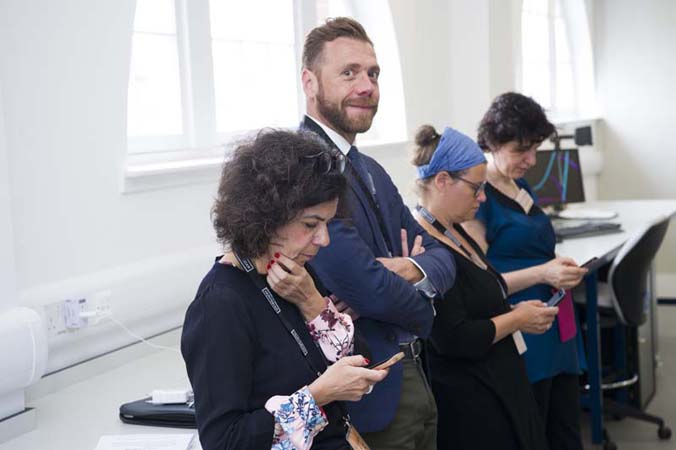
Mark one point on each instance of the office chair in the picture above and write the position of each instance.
(623, 302)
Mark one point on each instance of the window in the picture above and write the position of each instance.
(556, 63)
(154, 82)
(205, 71)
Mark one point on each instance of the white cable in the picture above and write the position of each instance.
(136, 336)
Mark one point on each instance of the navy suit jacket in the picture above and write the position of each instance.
(385, 302)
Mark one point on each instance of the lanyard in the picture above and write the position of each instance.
(250, 270)
(476, 259)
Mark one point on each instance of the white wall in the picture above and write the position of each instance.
(63, 73)
(64, 69)
(7, 271)
(635, 48)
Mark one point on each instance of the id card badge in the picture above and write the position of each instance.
(519, 342)
(524, 200)
(354, 439)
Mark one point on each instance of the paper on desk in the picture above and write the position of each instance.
(145, 442)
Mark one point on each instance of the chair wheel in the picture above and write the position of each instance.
(609, 445)
(664, 432)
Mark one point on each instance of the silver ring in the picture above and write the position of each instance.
(370, 389)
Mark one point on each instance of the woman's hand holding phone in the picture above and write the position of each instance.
(535, 317)
(347, 379)
(562, 272)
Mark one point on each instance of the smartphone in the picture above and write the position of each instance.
(592, 264)
(387, 363)
(556, 298)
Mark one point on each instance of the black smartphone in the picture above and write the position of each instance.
(386, 363)
(591, 264)
(556, 298)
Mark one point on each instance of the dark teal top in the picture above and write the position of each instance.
(517, 240)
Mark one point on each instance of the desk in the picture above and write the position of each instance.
(74, 417)
(633, 215)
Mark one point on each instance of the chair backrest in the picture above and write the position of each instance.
(628, 275)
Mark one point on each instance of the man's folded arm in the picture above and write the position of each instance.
(348, 268)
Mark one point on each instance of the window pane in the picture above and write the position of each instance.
(332, 8)
(561, 38)
(539, 7)
(252, 20)
(155, 16)
(254, 66)
(535, 37)
(154, 101)
(536, 83)
(565, 88)
(255, 86)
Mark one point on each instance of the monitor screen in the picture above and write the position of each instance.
(556, 177)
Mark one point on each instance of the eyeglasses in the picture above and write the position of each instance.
(478, 187)
(326, 161)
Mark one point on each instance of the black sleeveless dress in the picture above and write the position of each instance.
(482, 391)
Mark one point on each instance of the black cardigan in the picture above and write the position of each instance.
(238, 355)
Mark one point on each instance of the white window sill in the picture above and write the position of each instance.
(147, 172)
(163, 170)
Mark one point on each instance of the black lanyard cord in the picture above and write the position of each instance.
(429, 218)
(250, 270)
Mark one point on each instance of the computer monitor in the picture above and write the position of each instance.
(556, 178)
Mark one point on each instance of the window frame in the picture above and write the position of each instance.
(578, 34)
(158, 162)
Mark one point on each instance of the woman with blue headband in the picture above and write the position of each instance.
(479, 378)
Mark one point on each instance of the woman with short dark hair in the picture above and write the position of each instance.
(257, 337)
(518, 237)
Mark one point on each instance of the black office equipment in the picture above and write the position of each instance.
(574, 229)
(556, 178)
(142, 412)
(623, 304)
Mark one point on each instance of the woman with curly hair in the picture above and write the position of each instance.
(518, 239)
(259, 336)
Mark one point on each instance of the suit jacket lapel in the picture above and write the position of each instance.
(310, 125)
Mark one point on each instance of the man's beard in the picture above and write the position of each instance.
(338, 118)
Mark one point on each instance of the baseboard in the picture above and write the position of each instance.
(666, 301)
(17, 424)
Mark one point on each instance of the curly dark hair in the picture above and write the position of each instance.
(514, 117)
(266, 183)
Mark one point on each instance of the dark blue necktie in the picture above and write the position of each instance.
(360, 167)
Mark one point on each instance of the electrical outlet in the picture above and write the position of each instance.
(99, 303)
(71, 313)
(54, 315)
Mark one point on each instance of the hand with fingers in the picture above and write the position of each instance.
(402, 266)
(293, 283)
(562, 272)
(347, 379)
(535, 317)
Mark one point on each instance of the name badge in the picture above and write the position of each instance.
(519, 342)
(524, 200)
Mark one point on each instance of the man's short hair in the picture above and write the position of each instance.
(332, 29)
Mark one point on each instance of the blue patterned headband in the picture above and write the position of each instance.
(454, 152)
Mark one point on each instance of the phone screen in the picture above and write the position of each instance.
(386, 363)
(592, 264)
(556, 298)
